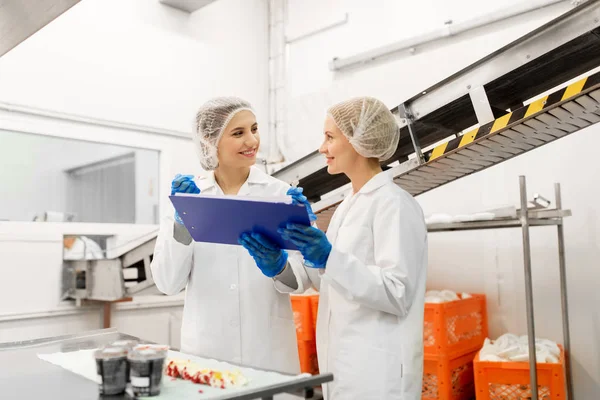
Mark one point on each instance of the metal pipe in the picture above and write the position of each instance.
(449, 30)
(407, 114)
(104, 123)
(528, 290)
(276, 41)
(281, 122)
(563, 295)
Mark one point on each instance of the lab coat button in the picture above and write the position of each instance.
(233, 286)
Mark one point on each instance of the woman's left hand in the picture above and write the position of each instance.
(299, 198)
(312, 243)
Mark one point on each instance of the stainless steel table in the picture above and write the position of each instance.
(24, 376)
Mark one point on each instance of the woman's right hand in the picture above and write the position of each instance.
(183, 184)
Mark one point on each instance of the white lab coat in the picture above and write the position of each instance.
(232, 311)
(372, 291)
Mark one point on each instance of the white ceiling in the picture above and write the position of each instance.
(187, 5)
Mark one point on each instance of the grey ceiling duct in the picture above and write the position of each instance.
(19, 19)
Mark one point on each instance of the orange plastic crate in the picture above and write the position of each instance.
(510, 380)
(455, 328)
(303, 319)
(307, 350)
(314, 302)
(446, 378)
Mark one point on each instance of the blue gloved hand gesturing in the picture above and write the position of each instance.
(269, 258)
(311, 242)
(183, 184)
(299, 198)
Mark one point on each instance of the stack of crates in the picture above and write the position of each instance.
(305, 316)
(453, 334)
(510, 380)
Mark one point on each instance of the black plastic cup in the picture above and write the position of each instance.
(146, 366)
(111, 366)
(128, 345)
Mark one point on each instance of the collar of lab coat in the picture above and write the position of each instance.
(256, 177)
(376, 182)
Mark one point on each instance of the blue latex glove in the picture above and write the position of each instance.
(311, 242)
(299, 198)
(269, 258)
(183, 184)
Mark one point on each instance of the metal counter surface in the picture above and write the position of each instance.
(25, 376)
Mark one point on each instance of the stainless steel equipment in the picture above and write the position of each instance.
(109, 279)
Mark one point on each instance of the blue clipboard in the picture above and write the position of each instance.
(223, 220)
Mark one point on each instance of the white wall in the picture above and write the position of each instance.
(129, 73)
(141, 62)
(237, 31)
(487, 262)
(129, 61)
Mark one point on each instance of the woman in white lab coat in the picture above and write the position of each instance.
(370, 268)
(233, 310)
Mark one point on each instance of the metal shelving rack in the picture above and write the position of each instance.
(537, 216)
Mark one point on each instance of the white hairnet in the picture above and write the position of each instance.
(211, 120)
(369, 125)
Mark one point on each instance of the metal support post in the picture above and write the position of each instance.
(481, 105)
(405, 113)
(563, 295)
(528, 290)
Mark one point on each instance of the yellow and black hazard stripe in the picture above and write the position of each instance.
(522, 113)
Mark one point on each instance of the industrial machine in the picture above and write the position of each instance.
(481, 116)
(123, 273)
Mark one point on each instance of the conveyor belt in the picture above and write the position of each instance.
(557, 115)
(555, 53)
(507, 92)
(561, 113)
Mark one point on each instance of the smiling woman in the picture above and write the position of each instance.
(371, 264)
(218, 121)
(236, 307)
(227, 140)
(240, 142)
